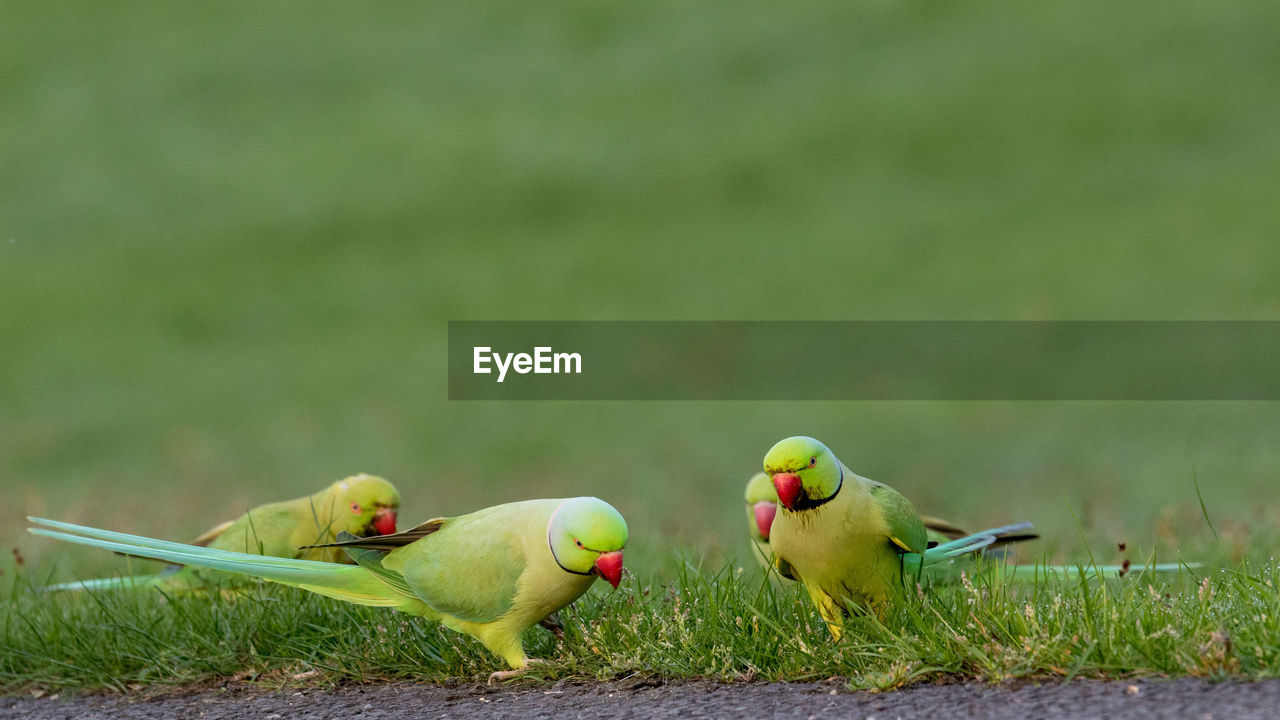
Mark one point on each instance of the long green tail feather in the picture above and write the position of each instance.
(110, 583)
(344, 582)
(1072, 572)
(971, 543)
(935, 556)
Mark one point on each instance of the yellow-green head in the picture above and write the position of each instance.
(762, 505)
(364, 505)
(586, 536)
(805, 473)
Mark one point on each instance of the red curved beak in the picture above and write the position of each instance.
(609, 566)
(764, 511)
(788, 486)
(384, 521)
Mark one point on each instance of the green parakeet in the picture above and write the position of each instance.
(361, 505)
(762, 505)
(853, 541)
(850, 540)
(491, 574)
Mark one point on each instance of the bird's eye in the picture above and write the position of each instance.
(577, 542)
(355, 507)
(813, 461)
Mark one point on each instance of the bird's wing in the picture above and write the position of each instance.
(470, 567)
(386, 543)
(942, 527)
(905, 529)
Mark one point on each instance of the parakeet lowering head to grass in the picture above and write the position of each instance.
(362, 505)
(492, 574)
(762, 505)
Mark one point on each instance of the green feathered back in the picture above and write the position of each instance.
(479, 551)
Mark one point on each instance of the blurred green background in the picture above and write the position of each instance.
(231, 236)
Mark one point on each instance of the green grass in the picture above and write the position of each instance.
(728, 624)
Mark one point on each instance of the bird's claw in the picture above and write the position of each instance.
(502, 675)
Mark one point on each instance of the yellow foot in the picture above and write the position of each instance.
(509, 674)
